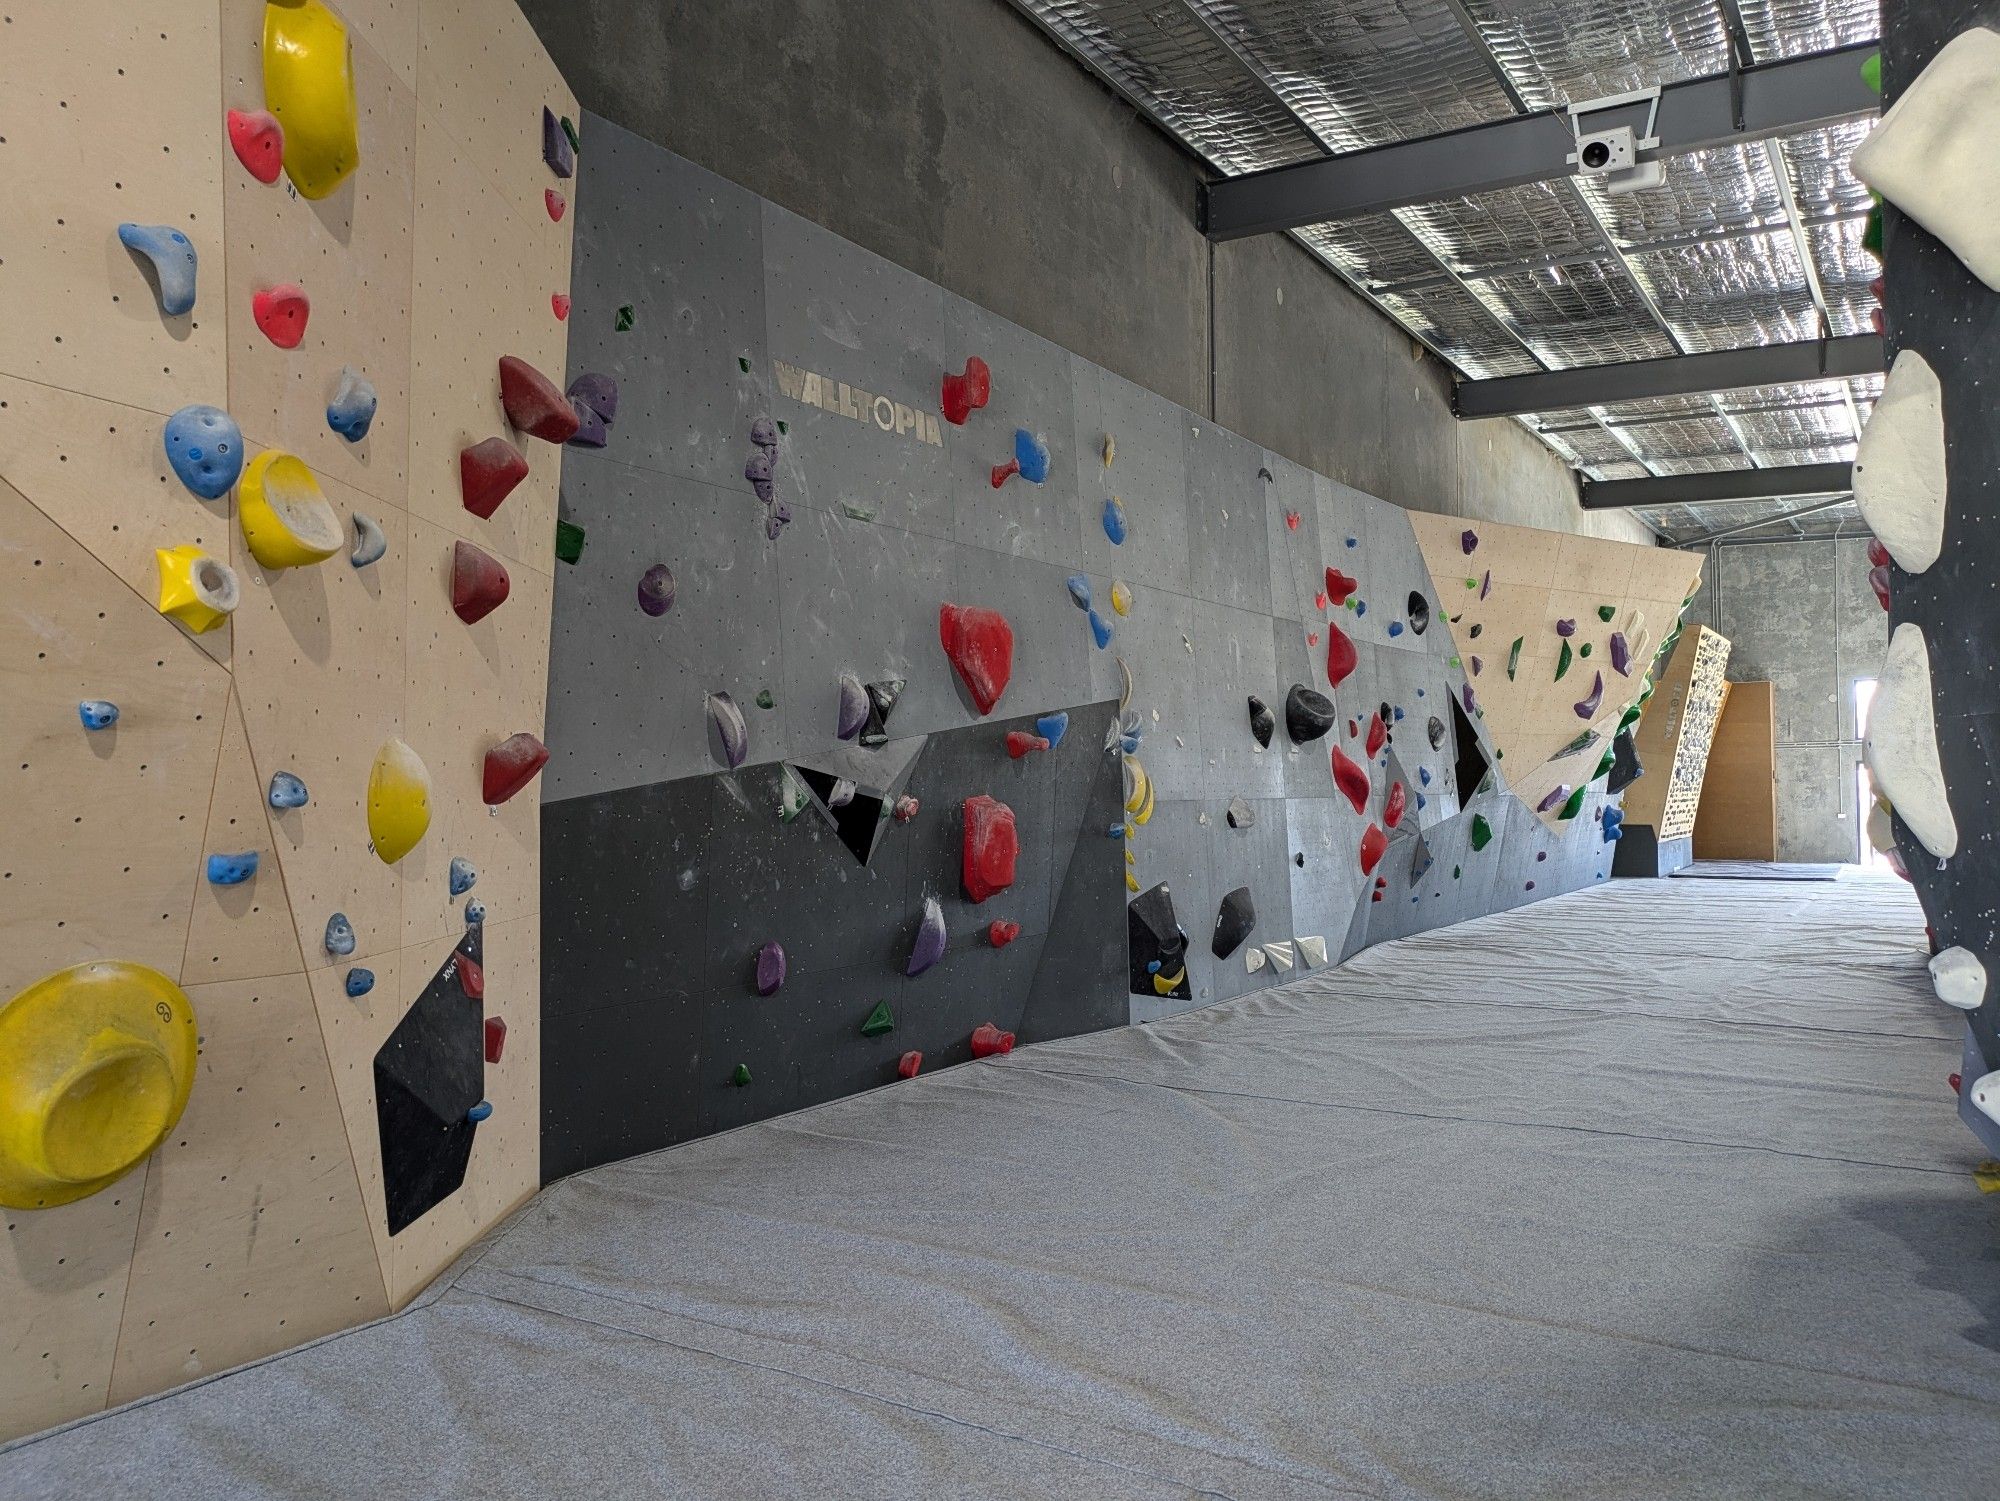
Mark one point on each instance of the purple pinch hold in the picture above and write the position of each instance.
(1468, 539)
(1485, 583)
(590, 431)
(771, 968)
(1621, 654)
(1465, 696)
(1476, 664)
(1556, 798)
(556, 149)
(598, 392)
(1565, 627)
(1586, 707)
(929, 947)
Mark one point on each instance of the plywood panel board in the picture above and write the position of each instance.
(252, 1234)
(483, 73)
(109, 116)
(1738, 817)
(62, 1282)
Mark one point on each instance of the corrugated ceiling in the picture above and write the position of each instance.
(1742, 245)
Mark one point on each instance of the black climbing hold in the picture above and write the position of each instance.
(882, 696)
(1625, 767)
(1261, 721)
(1157, 945)
(1418, 612)
(1435, 729)
(428, 1075)
(1233, 921)
(1300, 859)
(1308, 714)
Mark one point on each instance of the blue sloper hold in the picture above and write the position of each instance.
(287, 791)
(1114, 521)
(1032, 454)
(1395, 626)
(97, 713)
(339, 935)
(173, 259)
(1052, 727)
(479, 1112)
(352, 409)
(462, 875)
(1079, 590)
(205, 449)
(231, 870)
(360, 981)
(475, 913)
(1100, 630)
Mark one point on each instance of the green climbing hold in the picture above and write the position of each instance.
(856, 513)
(1871, 235)
(1562, 662)
(741, 1075)
(783, 426)
(1482, 831)
(1583, 650)
(1575, 804)
(1604, 766)
(742, 364)
(764, 699)
(1514, 657)
(1472, 583)
(1631, 717)
(569, 541)
(1605, 612)
(1455, 662)
(879, 1021)
(624, 320)
(792, 798)
(569, 129)
(1871, 72)
(1454, 872)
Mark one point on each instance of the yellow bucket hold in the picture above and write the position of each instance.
(309, 86)
(286, 520)
(96, 1062)
(399, 801)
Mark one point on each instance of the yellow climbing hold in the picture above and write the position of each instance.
(286, 520)
(1987, 1176)
(1121, 597)
(195, 589)
(399, 801)
(1110, 449)
(1131, 881)
(309, 86)
(1164, 984)
(96, 1062)
(1138, 791)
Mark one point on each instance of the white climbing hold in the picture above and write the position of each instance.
(1902, 743)
(1313, 951)
(1959, 978)
(1253, 959)
(1985, 1095)
(1281, 955)
(1932, 155)
(1899, 476)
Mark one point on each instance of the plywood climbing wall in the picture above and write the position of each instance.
(1738, 815)
(259, 1223)
(1674, 736)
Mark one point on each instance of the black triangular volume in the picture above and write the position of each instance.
(1470, 769)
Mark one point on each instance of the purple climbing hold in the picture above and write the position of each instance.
(929, 947)
(1586, 707)
(1621, 654)
(757, 470)
(656, 589)
(590, 431)
(771, 968)
(1466, 697)
(1468, 539)
(1557, 795)
(598, 392)
(1485, 583)
(853, 711)
(556, 149)
(730, 735)
(764, 433)
(1565, 628)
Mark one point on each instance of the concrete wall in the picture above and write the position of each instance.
(1800, 614)
(953, 138)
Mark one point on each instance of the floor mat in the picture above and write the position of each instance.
(1762, 870)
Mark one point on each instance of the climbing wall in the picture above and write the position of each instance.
(784, 448)
(262, 1220)
(1674, 739)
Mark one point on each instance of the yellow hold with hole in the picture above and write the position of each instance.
(286, 520)
(399, 801)
(196, 589)
(309, 86)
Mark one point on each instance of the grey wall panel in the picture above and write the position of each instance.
(1255, 857)
(1052, 645)
(1229, 550)
(1305, 770)
(1325, 888)
(1175, 848)
(1167, 685)
(1148, 473)
(1234, 657)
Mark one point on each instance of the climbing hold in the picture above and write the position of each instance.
(533, 404)
(597, 392)
(1139, 792)
(555, 203)
(1351, 779)
(1124, 683)
(1467, 541)
(729, 735)
(988, 1040)
(1280, 955)
(962, 395)
(905, 808)
(1339, 586)
(1291, 521)
(878, 1021)
(1114, 521)
(1555, 795)
(656, 589)
(771, 968)
(1254, 959)
(258, 141)
(339, 939)
(590, 430)
(569, 541)
(1485, 583)
(1586, 707)
(281, 313)
(1902, 750)
(1625, 767)
(1000, 932)
(1121, 597)
(1563, 660)
(740, 1075)
(352, 408)
(309, 87)
(479, 582)
(284, 515)
(232, 870)
(1565, 628)
(1052, 727)
(1378, 734)
(1878, 580)
(1612, 821)
(399, 801)
(1020, 743)
(475, 913)
(1263, 723)
(1899, 464)
(1393, 805)
(623, 319)
(882, 696)
(171, 256)
(359, 982)
(758, 470)
(980, 646)
(287, 791)
(559, 305)
(852, 711)
(462, 875)
(471, 976)
(509, 767)
(369, 542)
(1573, 806)
(1234, 918)
(495, 1038)
(1030, 461)
(990, 848)
(1418, 611)
(1482, 831)
(929, 945)
(556, 148)
(1100, 630)
(908, 1065)
(1396, 629)
(1469, 699)
(1341, 656)
(195, 589)
(97, 713)
(1434, 732)
(1621, 655)
(1308, 714)
(1079, 590)
(1959, 978)
(1373, 845)
(1240, 814)
(204, 449)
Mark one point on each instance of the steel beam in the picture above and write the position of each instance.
(1781, 98)
(1675, 375)
(1726, 484)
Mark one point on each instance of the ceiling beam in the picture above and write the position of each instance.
(1726, 484)
(1781, 98)
(1674, 375)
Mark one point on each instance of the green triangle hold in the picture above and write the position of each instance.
(1482, 831)
(741, 1075)
(625, 319)
(569, 541)
(1575, 804)
(1562, 661)
(1605, 612)
(879, 1021)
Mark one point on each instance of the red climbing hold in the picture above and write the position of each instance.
(479, 582)
(496, 1038)
(988, 1039)
(1878, 580)
(281, 312)
(1350, 779)
(533, 403)
(488, 471)
(1291, 521)
(965, 394)
(559, 303)
(991, 847)
(1319, 600)
(909, 1063)
(555, 203)
(1341, 657)
(471, 977)
(1000, 933)
(1393, 804)
(1955, 1081)
(510, 766)
(1020, 742)
(1378, 734)
(259, 142)
(1373, 843)
(1339, 586)
(1878, 555)
(980, 645)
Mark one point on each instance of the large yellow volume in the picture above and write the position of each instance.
(96, 1063)
(399, 801)
(309, 86)
(286, 520)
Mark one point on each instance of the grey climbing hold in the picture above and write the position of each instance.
(1263, 724)
(656, 589)
(1240, 814)
(1079, 590)
(172, 257)
(475, 913)
(1308, 714)
(1418, 612)
(462, 875)
(841, 793)
(1234, 919)
(352, 409)
(1435, 731)
(882, 696)
(771, 968)
(339, 935)
(205, 449)
(287, 791)
(97, 713)
(853, 711)
(929, 945)
(731, 736)
(369, 542)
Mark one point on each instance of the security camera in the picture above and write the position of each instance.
(1611, 152)
(1605, 151)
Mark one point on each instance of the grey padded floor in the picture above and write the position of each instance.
(1651, 1190)
(1762, 870)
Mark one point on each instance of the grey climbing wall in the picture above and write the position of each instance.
(665, 872)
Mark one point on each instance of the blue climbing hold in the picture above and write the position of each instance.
(1613, 820)
(173, 261)
(1397, 714)
(1152, 966)
(231, 870)
(475, 914)
(353, 406)
(1422, 802)
(462, 875)
(1129, 745)
(1353, 542)
(1114, 521)
(287, 791)
(1361, 608)
(1395, 628)
(360, 981)
(97, 713)
(1079, 590)
(1424, 775)
(205, 448)
(1100, 629)
(339, 935)
(1032, 454)
(1052, 727)
(479, 1112)
(1116, 831)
